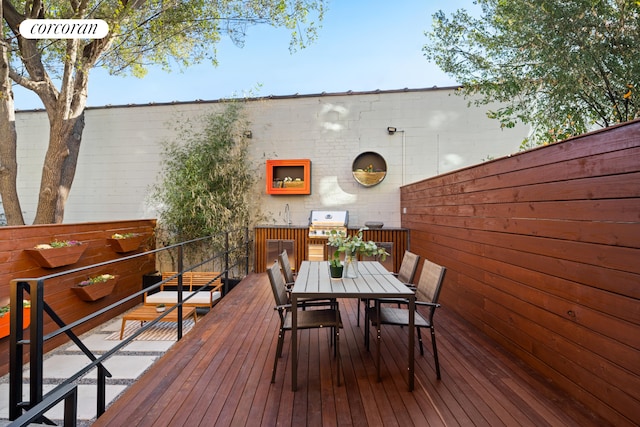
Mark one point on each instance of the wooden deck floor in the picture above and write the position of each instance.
(219, 374)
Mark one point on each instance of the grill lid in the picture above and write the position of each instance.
(329, 218)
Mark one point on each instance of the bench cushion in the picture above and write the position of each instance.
(171, 297)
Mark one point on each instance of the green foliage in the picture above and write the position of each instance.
(124, 236)
(353, 244)
(207, 181)
(59, 244)
(7, 308)
(562, 67)
(172, 35)
(96, 279)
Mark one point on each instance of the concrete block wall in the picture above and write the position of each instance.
(121, 150)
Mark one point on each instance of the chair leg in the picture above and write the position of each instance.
(435, 351)
(280, 343)
(334, 341)
(366, 323)
(420, 341)
(367, 331)
(366, 305)
(378, 351)
(278, 354)
(337, 353)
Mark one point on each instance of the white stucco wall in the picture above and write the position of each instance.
(120, 153)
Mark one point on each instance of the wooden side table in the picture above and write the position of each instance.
(147, 313)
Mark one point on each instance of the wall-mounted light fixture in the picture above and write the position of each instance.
(248, 134)
(392, 130)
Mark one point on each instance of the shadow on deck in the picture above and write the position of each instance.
(220, 373)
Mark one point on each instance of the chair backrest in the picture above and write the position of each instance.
(430, 283)
(193, 280)
(286, 266)
(277, 284)
(186, 280)
(408, 267)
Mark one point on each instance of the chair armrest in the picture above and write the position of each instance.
(427, 304)
(392, 300)
(215, 288)
(406, 301)
(318, 302)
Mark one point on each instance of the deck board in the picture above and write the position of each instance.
(220, 373)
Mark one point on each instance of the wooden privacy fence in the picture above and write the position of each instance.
(543, 255)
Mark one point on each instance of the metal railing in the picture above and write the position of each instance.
(39, 403)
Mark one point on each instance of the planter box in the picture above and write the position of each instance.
(126, 245)
(95, 291)
(57, 257)
(5, 322)
(336, 272)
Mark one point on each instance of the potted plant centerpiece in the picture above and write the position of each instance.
(95, 287)
(335, 265)
(352, 246)
(125, 242)
(57, 253)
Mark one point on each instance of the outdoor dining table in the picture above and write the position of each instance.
(372, 281)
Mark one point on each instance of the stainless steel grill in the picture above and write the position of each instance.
(322, 222)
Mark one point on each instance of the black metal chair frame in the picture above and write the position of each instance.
(427, 294)
(307, 319)
(406, 274)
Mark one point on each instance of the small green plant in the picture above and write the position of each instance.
(5, 309)
(58, 244)
(354, 245)
(124, 235)
(335, 260)
(96, 279)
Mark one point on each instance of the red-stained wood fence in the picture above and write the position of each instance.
(543, 255)
(16, 263)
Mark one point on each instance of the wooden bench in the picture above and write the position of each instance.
(191, 281)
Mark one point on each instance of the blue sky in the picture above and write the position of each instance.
(363, 45)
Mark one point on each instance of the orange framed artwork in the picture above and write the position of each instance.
(292, 176)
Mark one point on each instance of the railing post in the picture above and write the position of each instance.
(36, 344)
(180, 289)
(226, 262)
(101, 403)
(16, 349)
(246, 244)
(71, 408)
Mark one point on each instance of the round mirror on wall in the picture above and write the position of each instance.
(369, 169)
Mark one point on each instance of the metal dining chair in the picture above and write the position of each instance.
(405, 274)
(427, 294)
(289, 278)
(287, 271)
(309, 319)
